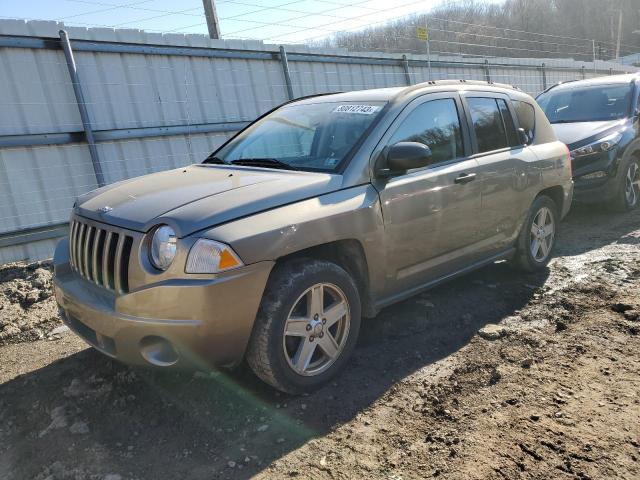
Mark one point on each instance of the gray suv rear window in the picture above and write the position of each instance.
(526, 117)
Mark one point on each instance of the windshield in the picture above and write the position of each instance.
(587, 104)
(303, 136)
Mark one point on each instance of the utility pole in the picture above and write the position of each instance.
(212, 18)
(619, 35)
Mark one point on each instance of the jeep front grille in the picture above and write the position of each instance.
(100, 255)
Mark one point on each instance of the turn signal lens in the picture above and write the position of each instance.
(209, 256)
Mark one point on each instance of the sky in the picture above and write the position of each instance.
(285, 21)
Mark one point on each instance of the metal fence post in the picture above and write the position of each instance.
(285, 69)
(487, 73)
(543, 70)
(405, 67)
(82, 107)
(584, 73)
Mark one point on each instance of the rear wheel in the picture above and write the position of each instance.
(628, 195)
(537, 238)
(306, 327)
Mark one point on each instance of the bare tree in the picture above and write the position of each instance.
(515, 28)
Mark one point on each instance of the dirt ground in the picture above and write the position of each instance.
(552, 392)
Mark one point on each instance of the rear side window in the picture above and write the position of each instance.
(488, 124)
(509, 126)
(526, 117)
(435, 124)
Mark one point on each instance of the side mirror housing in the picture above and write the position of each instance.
(523, 137)
(405, 156)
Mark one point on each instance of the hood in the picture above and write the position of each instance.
(200, 196)
(579, 132)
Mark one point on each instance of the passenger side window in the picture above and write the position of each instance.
(507, 119)
(487, 124)
(435, 124)
(526, 117)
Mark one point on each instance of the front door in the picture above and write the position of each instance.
(431, 214)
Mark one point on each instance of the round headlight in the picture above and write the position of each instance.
(163, 247)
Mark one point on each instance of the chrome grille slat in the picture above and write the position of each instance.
(105, 260)
(76, 241)
(76, 226)
(86, 260)
(83, 234)
(72, 236)
(100, 255)
(117, 279)
(94, 257)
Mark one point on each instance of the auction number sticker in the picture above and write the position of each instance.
(359, 109)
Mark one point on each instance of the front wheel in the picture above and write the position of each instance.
(306, 327)
(537, 238)
(628, 195)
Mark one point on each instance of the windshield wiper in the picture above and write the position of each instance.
(263, 162)
(582, 120)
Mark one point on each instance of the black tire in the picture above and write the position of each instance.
(621, 201)
(524, 258)
(266, 352)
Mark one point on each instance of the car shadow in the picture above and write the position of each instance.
(153, 424)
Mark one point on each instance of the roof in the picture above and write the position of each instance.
(608, 80)
(401, 93)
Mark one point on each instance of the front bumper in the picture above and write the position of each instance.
(595, 191)
(180, 322)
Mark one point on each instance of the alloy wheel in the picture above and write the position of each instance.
(542, 234)
(317, 329)
(632, 184)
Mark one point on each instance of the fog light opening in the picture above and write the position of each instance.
(158, 351)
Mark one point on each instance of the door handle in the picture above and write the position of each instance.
(465, 178)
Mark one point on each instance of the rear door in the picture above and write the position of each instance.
(502, 167)
(430, 213)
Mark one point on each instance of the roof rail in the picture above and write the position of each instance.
(462, 81)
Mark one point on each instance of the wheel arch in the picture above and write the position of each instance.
(555, 193)
(349, 254)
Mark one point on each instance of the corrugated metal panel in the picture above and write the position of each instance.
(556, 76)
(39, 184)
(529, 81)
(39, 250)
(130, 90)
(310, 78)
(132, 158)
(36, 94)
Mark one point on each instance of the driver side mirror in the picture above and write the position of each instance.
(405, 156)
(523, 137)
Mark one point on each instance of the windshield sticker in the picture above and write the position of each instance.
(359, 109)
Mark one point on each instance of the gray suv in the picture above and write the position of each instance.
(323, 211)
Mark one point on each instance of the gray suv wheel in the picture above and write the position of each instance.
(538, 234)
(306, 327)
